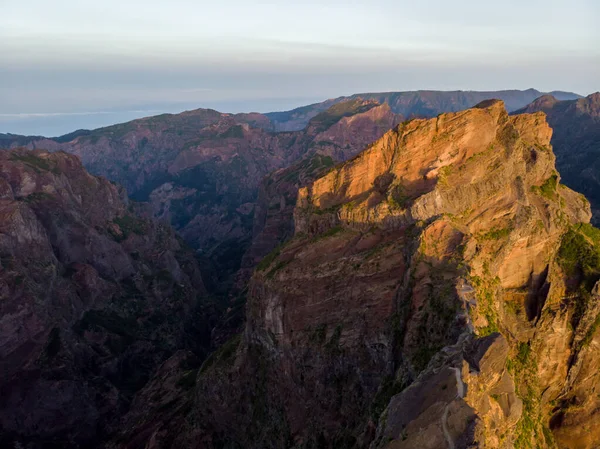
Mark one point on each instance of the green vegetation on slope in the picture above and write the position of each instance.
(548, 188)
(338, 111)
(37, 163)
(580, 253)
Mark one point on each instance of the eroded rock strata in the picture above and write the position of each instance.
(201, 169)
(438, 292)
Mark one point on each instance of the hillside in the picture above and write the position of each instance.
(201, 169)
(95, 296)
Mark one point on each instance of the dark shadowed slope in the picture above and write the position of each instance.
(94, 296)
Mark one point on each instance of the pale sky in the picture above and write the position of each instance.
(68, 64)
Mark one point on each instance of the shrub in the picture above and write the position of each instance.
(577, 252)
(548, 188)
(129, 224)
(496, 234)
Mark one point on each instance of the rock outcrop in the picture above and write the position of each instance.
(439, 289)
(438, 292)
(94, 296)
(576, 142)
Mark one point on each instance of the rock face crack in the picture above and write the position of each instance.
(460, 393)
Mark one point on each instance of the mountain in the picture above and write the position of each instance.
(201, 169)
(439, 290)
(16, 140)
(576, 142)
(95, 296)
(422, 103)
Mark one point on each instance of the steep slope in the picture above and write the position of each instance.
(438, 292)
(422, 103)
(351, 131)
(576, 142)
(95, 295)
(201, 169)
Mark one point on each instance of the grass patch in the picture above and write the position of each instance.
(548, 188)
(329, 233)
(443, 175)
(276, 268)
(188, 380)
(389, 387)
(329, 210)
(496, 234)
(37, 163)
(580, 252)
(225, 354)
(129, 224)
(37, 197)
(485, 289)
(397, 199)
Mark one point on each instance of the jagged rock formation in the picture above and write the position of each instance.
(576, 142)
(202, 169)
(438, 292)
(278, 192)
(94, 296)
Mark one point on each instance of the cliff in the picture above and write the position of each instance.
(438, 292)
(201, 170)
(95, 295)
(576, 142)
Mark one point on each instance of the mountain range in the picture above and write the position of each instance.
(201, 169)
(394, 270)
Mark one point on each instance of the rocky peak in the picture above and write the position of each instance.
(422, 300)
(406, 174)
(541, 103)
(590, 105)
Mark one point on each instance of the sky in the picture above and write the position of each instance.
(69, 64)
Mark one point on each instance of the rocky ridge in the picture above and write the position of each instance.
(201, 169)
(576, 142)
(421, 103)
(438, 292)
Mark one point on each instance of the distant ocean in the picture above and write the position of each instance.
(55, 124)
